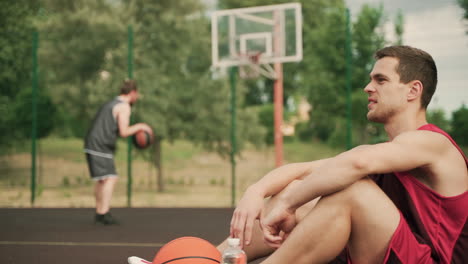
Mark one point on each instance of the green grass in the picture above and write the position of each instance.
(297, 151)
(72, 149)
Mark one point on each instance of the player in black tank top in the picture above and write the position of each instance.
(111, 121)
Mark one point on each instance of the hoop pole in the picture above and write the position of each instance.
(278, 95)
(232, 79)
(35, 76)
(278, 113)
(129, 139)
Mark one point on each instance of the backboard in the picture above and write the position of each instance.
(257, 35)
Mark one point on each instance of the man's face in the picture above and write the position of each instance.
(386, 95)
(134, 96)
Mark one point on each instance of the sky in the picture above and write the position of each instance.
(437, 27)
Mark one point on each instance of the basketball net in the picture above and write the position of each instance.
(253, 67)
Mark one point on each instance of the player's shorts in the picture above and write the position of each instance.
(404, 247)
(100, 167)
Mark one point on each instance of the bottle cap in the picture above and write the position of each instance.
(233, 242)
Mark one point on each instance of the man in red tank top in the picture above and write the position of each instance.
(402, 201)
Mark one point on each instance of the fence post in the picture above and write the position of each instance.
(35, 73)
(232, 78)
(129, 139)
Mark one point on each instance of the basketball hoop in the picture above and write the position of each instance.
(252, 67)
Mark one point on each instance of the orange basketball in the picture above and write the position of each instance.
(188, 250)
(142, 139)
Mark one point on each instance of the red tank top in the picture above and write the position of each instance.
(443, 218)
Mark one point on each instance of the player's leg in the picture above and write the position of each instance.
(103, 193)
(102, 171)
(361, 217)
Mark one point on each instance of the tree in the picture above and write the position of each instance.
(321, 74)
(323, 49)
(460, 125)
(437, 117)
(399, 27)
(16, 18)
(367, 38)
(464, 5)
(172, 47)
(79, 40)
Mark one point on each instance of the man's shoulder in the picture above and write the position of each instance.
(422, 136)
(120, 104)
(121, 108)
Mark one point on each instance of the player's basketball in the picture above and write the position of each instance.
(188, 250)
(142, 139)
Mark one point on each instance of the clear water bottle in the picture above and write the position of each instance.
(233, 254)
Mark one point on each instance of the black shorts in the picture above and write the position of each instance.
(100, 167)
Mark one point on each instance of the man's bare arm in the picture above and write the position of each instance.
(276, 180)
(122, 113)
(408, 151)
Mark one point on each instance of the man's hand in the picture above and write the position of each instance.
(244, 216)
(145, 127)
(277, 222)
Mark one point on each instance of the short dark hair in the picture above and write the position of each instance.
(413, 64)
(128, 86)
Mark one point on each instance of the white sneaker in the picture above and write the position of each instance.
(137, 260)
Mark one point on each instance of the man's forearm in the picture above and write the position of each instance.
(276, 180)
(130, 130)
(334, 175)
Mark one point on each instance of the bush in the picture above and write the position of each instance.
(460, 126)
(266, 117)
(23, 115)
(304, 131)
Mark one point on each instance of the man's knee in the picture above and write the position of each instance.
(363, 191)
(108, 180)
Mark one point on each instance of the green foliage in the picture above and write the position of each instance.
(464, 5)
(181, 100)
(78, 41)
(437, 117)
(266, 116)
(321, 74)
(304, 131)
(6, 122)
(460, 125)
(22, 120)
(367, 38)
(15, 62)
(16, 45)
(338, 136)
(399, 27)
(83, 58)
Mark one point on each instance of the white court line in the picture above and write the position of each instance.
(92, 244)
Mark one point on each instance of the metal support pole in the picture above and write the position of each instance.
(129, 139)
(278, 114)
(232, 79)
(35, 76)
(278, 92)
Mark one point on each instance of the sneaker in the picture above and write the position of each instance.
(137, 260)
(105, 219)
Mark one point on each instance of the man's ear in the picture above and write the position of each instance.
(415, 91)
